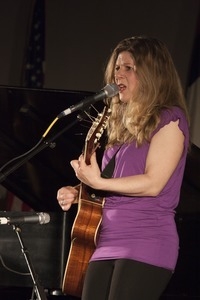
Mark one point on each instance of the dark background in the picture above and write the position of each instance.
(79, 37)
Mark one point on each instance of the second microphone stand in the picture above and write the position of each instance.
(38, 291)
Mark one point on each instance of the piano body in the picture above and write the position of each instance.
(25, 116)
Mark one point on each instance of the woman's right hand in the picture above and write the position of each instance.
(66, 196)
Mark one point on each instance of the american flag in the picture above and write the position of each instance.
(35, 53)
(10, 202)
(193, 92)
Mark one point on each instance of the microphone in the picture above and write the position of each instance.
(110, 90)
(41, 218)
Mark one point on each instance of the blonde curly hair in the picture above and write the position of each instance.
(159, 87)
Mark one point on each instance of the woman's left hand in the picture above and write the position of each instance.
(88, 174)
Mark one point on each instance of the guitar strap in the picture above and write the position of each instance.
(109, 168)
(106, 173)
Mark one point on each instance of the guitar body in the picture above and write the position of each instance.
(83, 243)
(84, 232)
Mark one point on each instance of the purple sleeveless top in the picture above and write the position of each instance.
(142, 228)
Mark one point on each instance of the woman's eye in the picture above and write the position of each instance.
(124, 68)
(129, 68)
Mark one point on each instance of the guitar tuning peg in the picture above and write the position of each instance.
(98, 135)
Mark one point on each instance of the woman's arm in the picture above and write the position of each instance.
(164, 154)
(68, 195)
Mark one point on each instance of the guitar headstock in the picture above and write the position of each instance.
(95, 132)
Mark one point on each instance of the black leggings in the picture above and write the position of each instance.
(124, 279)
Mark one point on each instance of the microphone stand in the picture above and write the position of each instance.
(37, 289)
(46, 143)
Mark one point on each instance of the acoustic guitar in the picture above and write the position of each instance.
(84, 231)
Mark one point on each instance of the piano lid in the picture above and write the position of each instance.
(25, 116)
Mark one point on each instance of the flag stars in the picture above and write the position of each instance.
(37, 37)
(34, 73)
(33, 78)
(28, 66)
(37, 25)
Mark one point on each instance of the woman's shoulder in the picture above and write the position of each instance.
(173, 114)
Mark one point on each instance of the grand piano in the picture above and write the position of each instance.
(25, 116)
